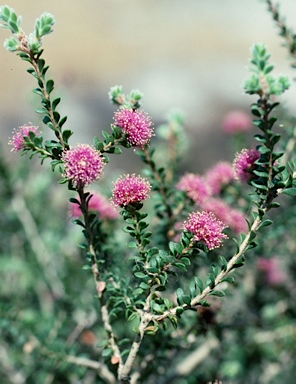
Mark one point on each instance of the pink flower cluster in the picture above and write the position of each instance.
(244, 163)
(17, 140)
(218, 176)
(236, 121)
(83, 165)
(194, 186)
(97, 203)
(201, 189)
(206, 228)
(130, 189)
(136, 125)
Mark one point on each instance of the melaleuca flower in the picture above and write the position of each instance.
(244, 162)
(236, 121)
(18, 142)
(97, 203)
(194, 186)
(205, 227)
(135, 124)
(218, 176)
(83, 165)
(130, 189)
(232, 217)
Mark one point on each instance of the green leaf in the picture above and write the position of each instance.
(49, 86)
(156, 307)
(185, 261)
(144, 285)
(86, 267)
(275, 204)
(186, 299)
(181, 266)
(289, 191)
(261, 174)
(228, 279)
(252, 245)
(132, 244)
(175, 248)
(38, 91)
(217, 293)
(223, 262)
(237, 245)
(40, 110)
(66, 135)
(179, 292)
(264, 223)
(192, 288)
(199, 283)
(259, 186)
(107, 352)
(140, 275)
(204, 303)
(179, 311)
(55, 103)
(62, 121)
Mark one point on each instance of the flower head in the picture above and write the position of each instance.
(18, 136)
(83, 165)
(130, 189)
(136, 125)
(244, 162)
(206, 228)
(194, 186)
(218, 176)
(236, 121)
(97, 203)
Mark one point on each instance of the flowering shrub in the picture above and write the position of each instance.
(150, 311)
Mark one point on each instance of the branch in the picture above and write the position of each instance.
(191, 361)
(101, 369)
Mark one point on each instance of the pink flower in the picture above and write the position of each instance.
(97, 203)
(136, 125)
(17, 140)
(218, 176)
(130, 189)
(194, 186)
(206, 228)
(236, 121)
(233, 218)
(244, 162)
(83, 165)
(271, 269)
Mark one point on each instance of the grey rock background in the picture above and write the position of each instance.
(190, 54)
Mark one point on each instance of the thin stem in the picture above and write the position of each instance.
(285, 32)
(101, 369)
(100, 285)
(41, 82)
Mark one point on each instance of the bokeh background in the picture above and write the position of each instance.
(190, 55)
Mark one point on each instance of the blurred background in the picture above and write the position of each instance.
(190, 55)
